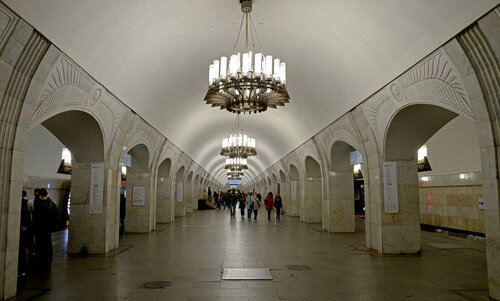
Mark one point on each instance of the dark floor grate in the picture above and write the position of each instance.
(299, 267)
(157, 284)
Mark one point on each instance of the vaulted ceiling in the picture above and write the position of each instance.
(154, 56)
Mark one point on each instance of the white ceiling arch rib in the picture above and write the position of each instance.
(154, 56)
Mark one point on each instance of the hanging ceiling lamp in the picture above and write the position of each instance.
(248, 84)
(236, 164)
(238, 145)
(234, 173)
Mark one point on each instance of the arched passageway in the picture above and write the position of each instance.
(196, 191)
(163, 193)
(295, 191)
(180, 205)
(139, 208)
(407, 132)
(341, 188)
(284, 190)
(312, 207)
(85, 198)
(189, 193)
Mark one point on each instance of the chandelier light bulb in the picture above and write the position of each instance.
(258, 64)
(223, 67)
(276, 73)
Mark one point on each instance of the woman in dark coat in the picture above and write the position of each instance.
(268, 201)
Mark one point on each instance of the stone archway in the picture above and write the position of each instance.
(82, 135)
(163, 193)
(284, 190)
(189, 193)
(295, 191)
(312, 204)
(180, 205)
(139, 210)
(341, 188)
(406, 133)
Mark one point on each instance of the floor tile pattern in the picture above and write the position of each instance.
(193, 252)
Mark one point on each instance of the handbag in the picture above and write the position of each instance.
(282, 211)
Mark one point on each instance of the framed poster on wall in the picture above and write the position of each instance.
(390, 174)
(96, 188)
(139, 196)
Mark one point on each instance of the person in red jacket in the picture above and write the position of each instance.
(268, 201)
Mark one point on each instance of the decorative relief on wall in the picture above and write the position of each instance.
(68, 87)
(436, 79)
(307, 149)
(64, 77)
(324, 139)
(371, 107)
(344, 130)
(143, 133)
(114, 106)
(169, 151)
(7, 23)
(96, 95)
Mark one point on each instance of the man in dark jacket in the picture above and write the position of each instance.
(278, 203)
(25, 236)
(45, 221)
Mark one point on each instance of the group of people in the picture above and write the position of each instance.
(251, 201)
(39, 218)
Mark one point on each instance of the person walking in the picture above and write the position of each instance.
(255, 205)
(249, 204)
(268, 201)
(278, 204)
(242, 202)
(224, 200)
(233, 198)
(45, 221)
(25, 236)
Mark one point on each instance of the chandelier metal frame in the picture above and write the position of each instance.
(243, 87)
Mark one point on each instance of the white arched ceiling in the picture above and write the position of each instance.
(154, 56)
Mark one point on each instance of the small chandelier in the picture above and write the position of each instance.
(249, 84)
(238, 145)
(234, 173)
(236, 164)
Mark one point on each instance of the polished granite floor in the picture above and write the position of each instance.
(192, 253)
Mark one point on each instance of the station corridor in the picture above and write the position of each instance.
(365, 122)
(193, 252)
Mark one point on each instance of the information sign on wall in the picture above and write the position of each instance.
(390, 175)
(355, 158)
(127, 160)
(234, 182)
(293, 190)
(139, 196)
(179, 191)
(96, 188)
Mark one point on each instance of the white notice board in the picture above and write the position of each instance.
(179, 191)
(390, 174)
(96, 188)
(355, 158)
(293, 190)
(139, 196)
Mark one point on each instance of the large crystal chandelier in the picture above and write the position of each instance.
(249, 84)
(238, 145)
